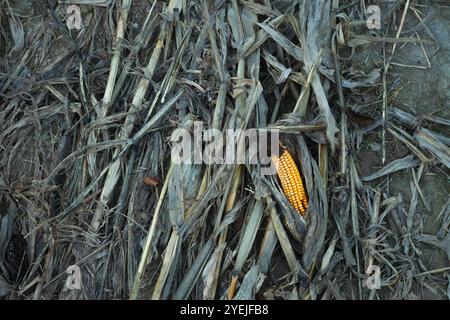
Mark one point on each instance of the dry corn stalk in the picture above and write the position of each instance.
(291, 181)
(124, 133)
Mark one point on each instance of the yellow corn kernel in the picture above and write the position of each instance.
(291, 181)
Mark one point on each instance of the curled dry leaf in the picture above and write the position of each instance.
(152, 181)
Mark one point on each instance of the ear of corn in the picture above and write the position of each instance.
(291, 181)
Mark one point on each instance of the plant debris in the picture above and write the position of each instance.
(87, 178)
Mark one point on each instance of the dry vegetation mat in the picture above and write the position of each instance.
(87, 178)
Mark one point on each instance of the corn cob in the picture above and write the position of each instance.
(291, 182)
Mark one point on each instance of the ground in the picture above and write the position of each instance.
(424, 91)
